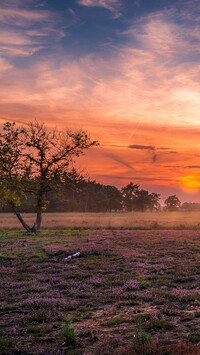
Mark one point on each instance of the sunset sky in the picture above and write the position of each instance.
(127, 71)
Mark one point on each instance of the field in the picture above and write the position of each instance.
(131, 220)
(129, 292)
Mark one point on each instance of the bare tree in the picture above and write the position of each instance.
(33, 159)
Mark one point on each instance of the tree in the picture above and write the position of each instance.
(136, 199)
(113, 198)
(33, 160)
(129, 194)
(190, 206)
(146, 201)
(11, 165)
(95, 197)
(154, 204)
(172, 203)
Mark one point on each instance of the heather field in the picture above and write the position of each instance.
(129, 292)
(117, 220)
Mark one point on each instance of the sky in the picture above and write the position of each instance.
(127, 71)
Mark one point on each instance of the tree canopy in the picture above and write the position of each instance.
(172, 203)
(136, 199)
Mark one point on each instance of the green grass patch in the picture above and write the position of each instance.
(35, 329)
(68, 334)
(141, 318)
(116, 321)
(6, 344)
(159, 324)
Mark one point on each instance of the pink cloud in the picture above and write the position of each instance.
(4, 66)
(19, 41)
(25, 43)
(20, 16)
(14, 38)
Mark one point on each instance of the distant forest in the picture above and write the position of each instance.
(84, 195)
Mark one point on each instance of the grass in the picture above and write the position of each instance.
(116, 321)
(129, 292)
(68, 333)
(118, 220)
(160, 324)
(6, 344)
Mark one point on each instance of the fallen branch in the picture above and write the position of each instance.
(72, 256)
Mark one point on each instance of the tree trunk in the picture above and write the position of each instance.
(24, 224)
(37, 224)
(40, 204)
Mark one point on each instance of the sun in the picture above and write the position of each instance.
(191, 183)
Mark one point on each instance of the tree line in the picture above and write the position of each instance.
(89, 196)
(77, 194)
(37, 174)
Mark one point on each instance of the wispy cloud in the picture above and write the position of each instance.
(4, 66)
(193, 167)
(25, 43)
(116, 158)
(25, 31)
(20, 17)
(17, 39)
(141, 147)
(145, 147)
(167, 36)
(112, 5)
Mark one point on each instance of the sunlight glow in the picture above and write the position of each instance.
(191, 183)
